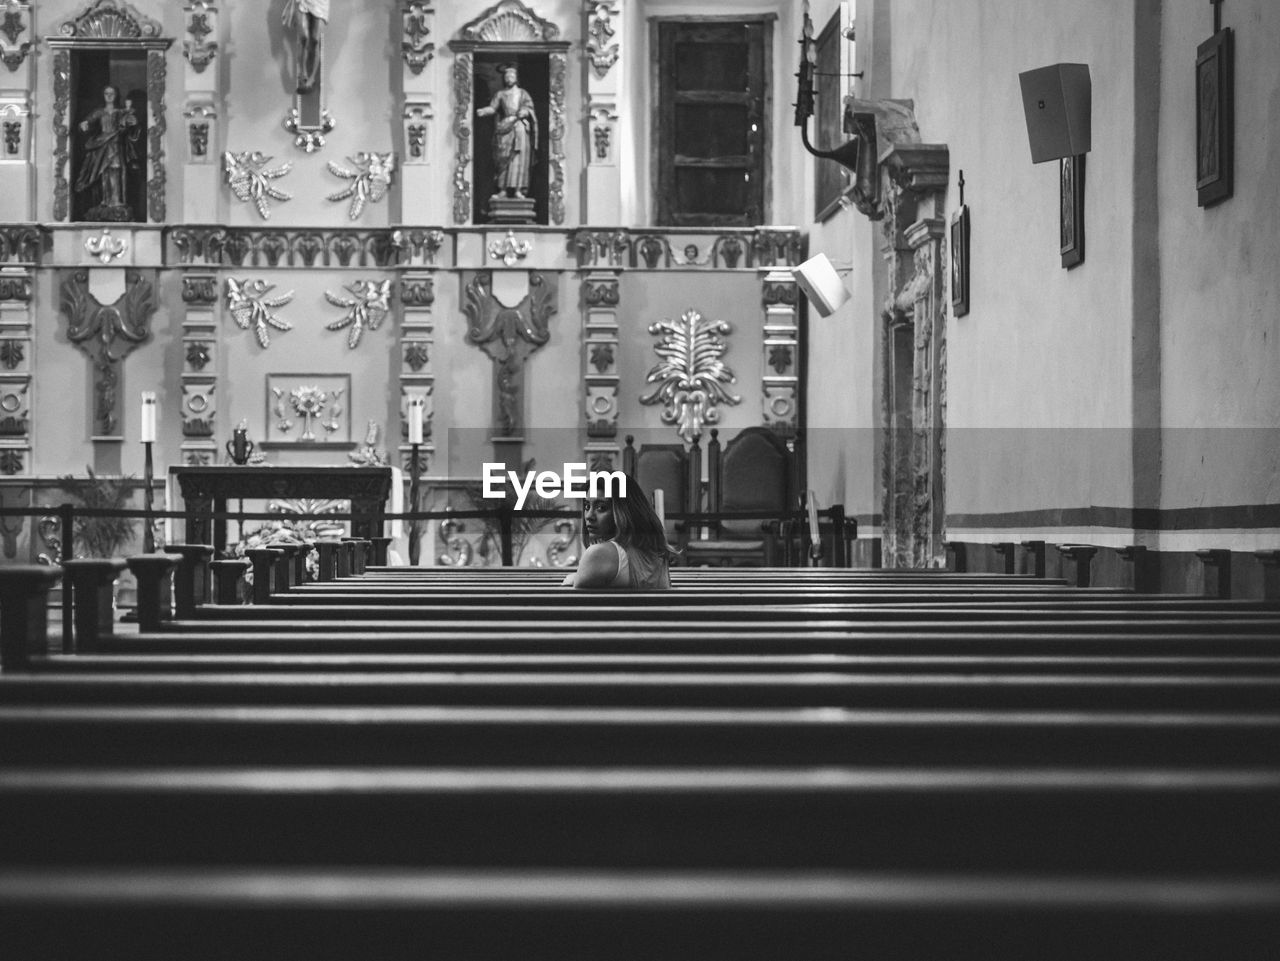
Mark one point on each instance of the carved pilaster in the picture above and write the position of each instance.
(416, 299)
(420, 198)
(601, 181)
(16, 364)
(600, 346)
(200, 341)
(462, 126)
(781, 346)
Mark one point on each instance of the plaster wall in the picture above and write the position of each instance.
(1220, 331)
(1039, 371)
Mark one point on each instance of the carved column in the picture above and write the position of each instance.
(781, 380)
(17, 198)
(16, 360)
(202, 148)
(199, 369)
(463, 125)
(417, 348)
(600, 301)
(602, 182)
(913, 179)
(419, 183)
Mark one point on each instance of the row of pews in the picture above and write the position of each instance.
(760, 764)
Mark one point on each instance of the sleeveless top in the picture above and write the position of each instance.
(639, 569)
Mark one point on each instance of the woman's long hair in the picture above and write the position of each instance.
(637, 522)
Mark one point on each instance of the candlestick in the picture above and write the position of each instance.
(149, 408)
(416, 409)
(815, 538)
(415, 473)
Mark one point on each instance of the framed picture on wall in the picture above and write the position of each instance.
(960, 261)
(1071, 204)
(832, 55)
(1215, 119)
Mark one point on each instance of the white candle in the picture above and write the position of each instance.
(415, 420)
(814, 537)
(148, 429)
(659, 507)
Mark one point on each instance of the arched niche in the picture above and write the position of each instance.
(108, 44)
(506, 33)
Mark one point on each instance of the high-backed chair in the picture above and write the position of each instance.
(754, 472)
(671, 468)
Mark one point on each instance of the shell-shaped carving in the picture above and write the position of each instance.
(110, 20)
(509, 22)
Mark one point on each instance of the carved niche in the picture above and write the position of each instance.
(508, 34)
(108, 47)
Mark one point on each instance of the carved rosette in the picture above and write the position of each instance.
(781, 375)
(600, 356)
(14, 22)
(462, 94)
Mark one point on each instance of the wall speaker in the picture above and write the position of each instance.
(821, 284)
(1056, 101)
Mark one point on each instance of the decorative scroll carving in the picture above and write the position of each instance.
(417, 115)
(416, 356)
(412, 244)
(12, 353)
(508, 335)
(296, 247)
(555, 137)
(200, 118)
(250, 179)
(746, 248)
(11, 461)
(600, 30)
(690, 375)
(416, 49)
(61, 133)
(23, 244)
(111, 20)
(370, 179)
(107, 334)
(200, 289)
(12, 25)
(462, 93)
(510, 21)
(600, 294)
(251, 307)
(17, 288)
(201, 22)
(156, 71)
(417, 292)
(106, 247)
(594, 246)
(368, 305)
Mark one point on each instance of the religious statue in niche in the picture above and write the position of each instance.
(110, 152)
(516, 148)
(308, 18)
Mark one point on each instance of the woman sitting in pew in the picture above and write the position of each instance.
(626, 546)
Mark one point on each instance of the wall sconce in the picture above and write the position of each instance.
(846, 154)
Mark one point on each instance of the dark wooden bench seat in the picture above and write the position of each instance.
(531, 737)
(1144, 690)
(1110, 823)
(1009, 664)
(403, 914)
(991, 640)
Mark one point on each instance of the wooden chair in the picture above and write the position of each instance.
(754, 472)
(671, 468)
